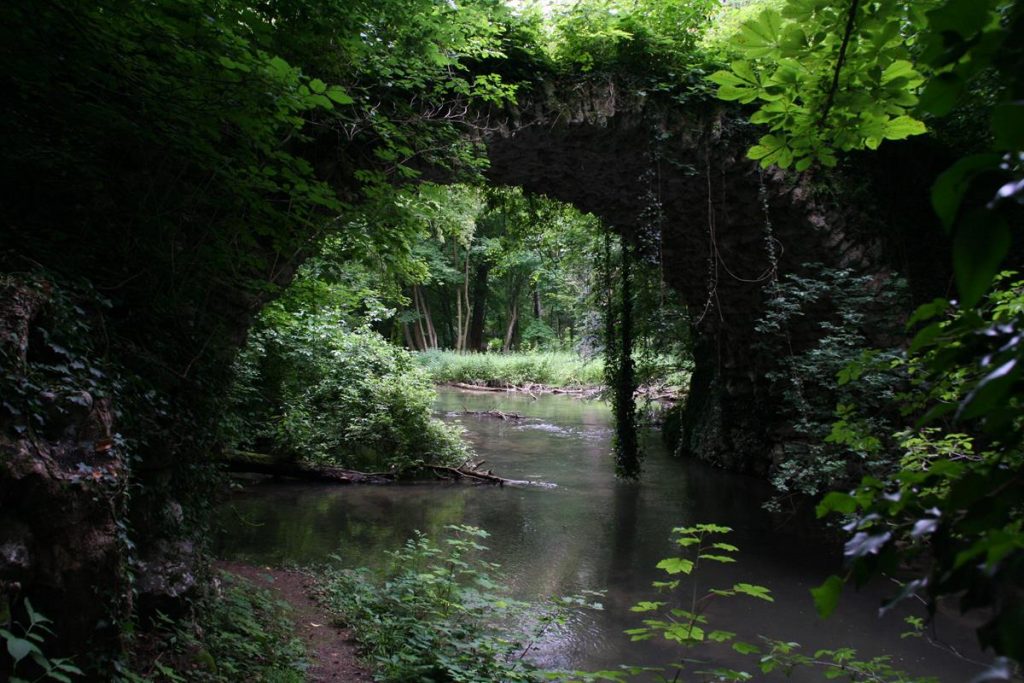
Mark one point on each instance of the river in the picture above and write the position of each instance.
(590, 532)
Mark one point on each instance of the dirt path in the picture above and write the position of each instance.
(332, 651)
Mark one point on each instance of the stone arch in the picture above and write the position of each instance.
(606, 151)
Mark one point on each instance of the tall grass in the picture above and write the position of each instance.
(550, 368)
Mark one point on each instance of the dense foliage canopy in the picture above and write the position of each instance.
(172, 166)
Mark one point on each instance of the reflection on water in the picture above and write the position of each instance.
(591, 532)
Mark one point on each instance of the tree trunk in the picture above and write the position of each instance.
(409, 342)
(513, 317)
(464, 292)
(421, 335)
(627, 447)
(475, 338)
(429, 334)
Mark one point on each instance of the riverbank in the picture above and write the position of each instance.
(537, 373)
(556, 369)
(330, 649)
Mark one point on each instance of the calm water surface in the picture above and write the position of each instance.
(589, 532)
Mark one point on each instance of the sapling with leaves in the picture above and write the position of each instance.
(26, 649)
(690, 627)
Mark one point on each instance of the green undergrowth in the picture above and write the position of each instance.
(312, 388)
(550, 368)
(556, 369)
(237, 633)
(437, 613)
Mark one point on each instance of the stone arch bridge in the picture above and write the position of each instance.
(726, 229)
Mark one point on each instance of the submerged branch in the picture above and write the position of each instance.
(260, 463)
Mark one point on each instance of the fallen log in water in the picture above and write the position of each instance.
(491, 413)
(479, 387)
(260, 463)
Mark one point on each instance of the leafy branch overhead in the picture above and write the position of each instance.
(827, 78)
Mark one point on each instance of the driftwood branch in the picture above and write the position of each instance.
(259, 463)
(491, 413)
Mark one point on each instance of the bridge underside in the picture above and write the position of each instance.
(719, 214)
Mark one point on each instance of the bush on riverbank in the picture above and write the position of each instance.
(314, 389)
(558, 369)
(552, 368)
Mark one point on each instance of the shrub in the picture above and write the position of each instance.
(314, 389)
(554, 368)
(434, 614)
(237, 634)
(855, 312)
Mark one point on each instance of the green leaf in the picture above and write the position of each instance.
(836, 501)
(941, 94)
(638, 634)
(926, 337)
(826, 596)
(317, 86)
(771, 149)
(759, 592)
(718, 558)
(280, 67)
(19, 648)
(901, 68)
(339, 95)
(1008, 125)
(746, 648)
(682, 633)
(736, 87)
(903, 127)
(721, 636)
(759, 37)
(948, 191)
(982, 241)
(646, 606)
(676, 565)
(321, 101)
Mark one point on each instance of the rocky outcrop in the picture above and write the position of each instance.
(62, 499)
(65, 540)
